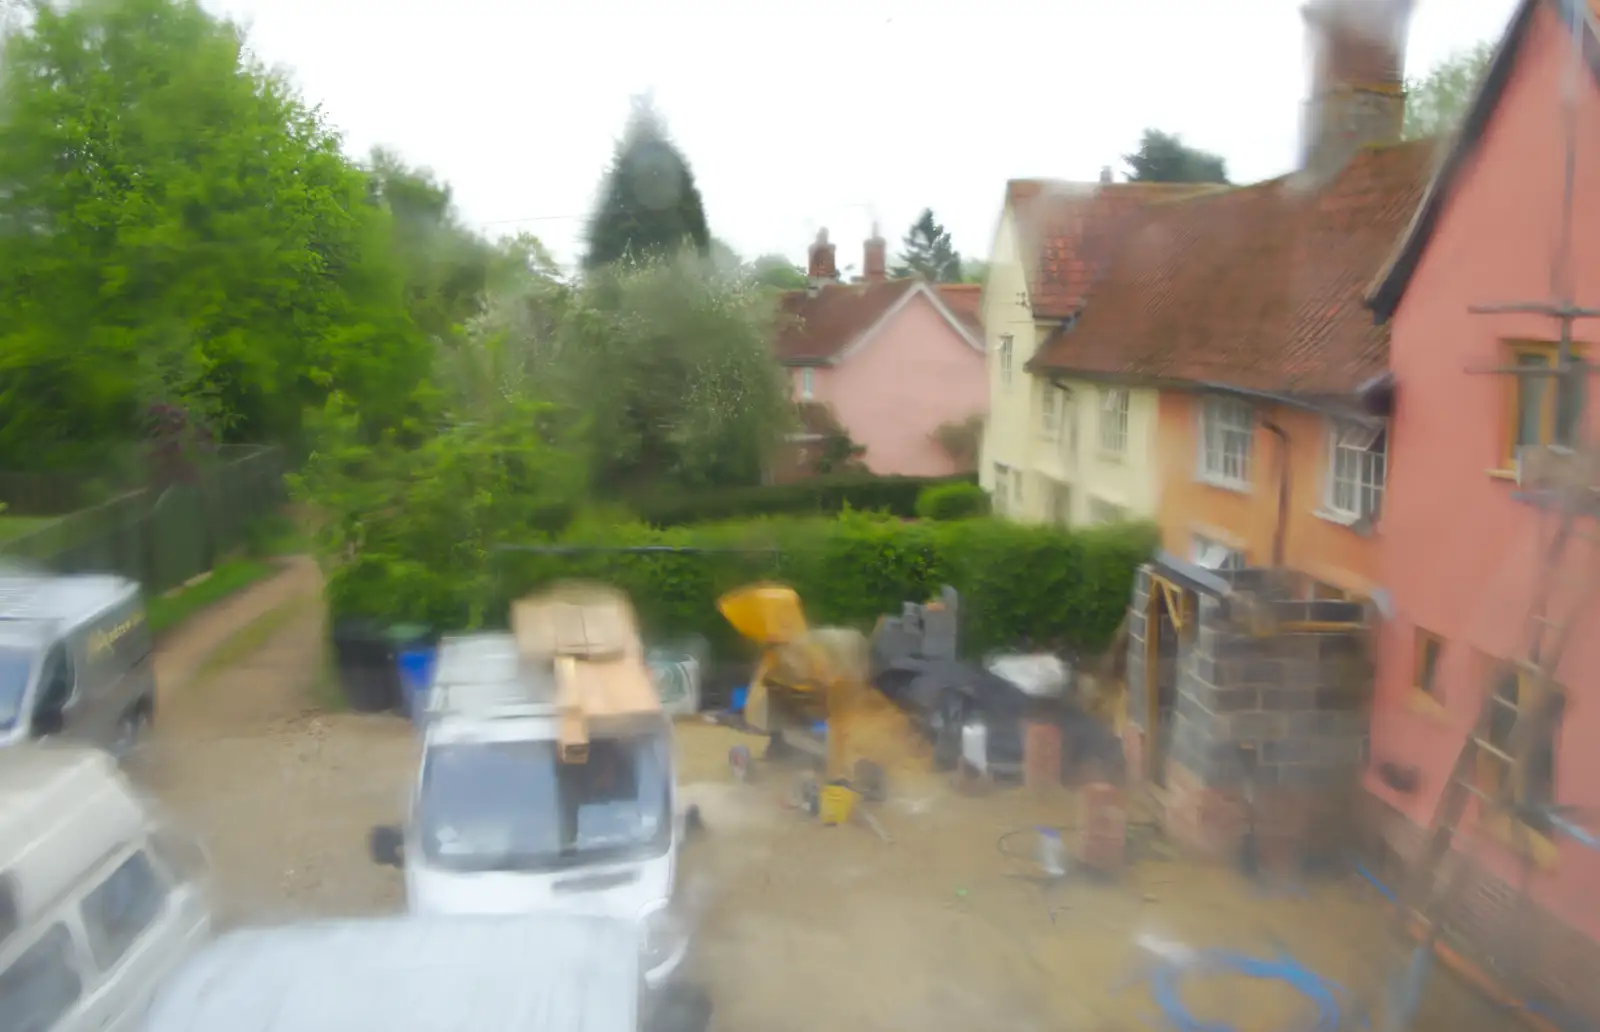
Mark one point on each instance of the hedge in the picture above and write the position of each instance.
(952, 502)
(1020, 585)
(894, 495)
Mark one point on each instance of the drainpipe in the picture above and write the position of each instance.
(1283, 491)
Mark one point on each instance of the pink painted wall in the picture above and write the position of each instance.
(1457, 551)
(913, 375)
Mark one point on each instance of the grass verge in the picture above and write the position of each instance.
(169, 610)
(16, 526)
(249, 639)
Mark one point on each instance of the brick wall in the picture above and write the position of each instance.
(1529, 950)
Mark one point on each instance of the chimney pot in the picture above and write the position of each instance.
(1105, 173)
(821, 267)
(875, 258)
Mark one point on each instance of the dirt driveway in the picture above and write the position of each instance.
(799, 927)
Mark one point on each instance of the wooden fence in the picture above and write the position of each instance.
(162, 538)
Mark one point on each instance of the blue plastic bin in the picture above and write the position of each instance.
(737, 698)
(416, 677)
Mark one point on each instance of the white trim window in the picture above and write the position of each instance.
(1060, 503)
(1102, 511)
(1114, 420)
(1005, 360)
(1049, 411)
(1002, 488)
(1357, 467)
(806, 383)
(1227, 441)
(1214, 555)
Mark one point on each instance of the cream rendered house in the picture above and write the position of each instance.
(1060, 450)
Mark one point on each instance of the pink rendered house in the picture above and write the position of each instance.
(893, 360)
(1462, 530)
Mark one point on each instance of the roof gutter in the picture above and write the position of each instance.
(1346, 412)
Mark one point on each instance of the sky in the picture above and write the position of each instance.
(802, 115)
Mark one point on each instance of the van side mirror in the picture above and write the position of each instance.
(387, 844)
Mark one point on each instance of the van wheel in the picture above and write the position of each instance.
(131, 730)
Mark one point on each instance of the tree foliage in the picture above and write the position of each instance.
(179, 227)
(777, 272)
(1164, 158)
(649, 204)
(1436, 102)
(927, 251)
(445, 264)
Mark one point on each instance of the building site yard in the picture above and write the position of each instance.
(942, 922)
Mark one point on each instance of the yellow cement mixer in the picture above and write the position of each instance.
(808, 675)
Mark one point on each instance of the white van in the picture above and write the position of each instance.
(97, 903)
(529, 973)
(500, 825)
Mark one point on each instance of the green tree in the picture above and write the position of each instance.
(180, 228)
(1164, 158)
(446, 264)
(649, 204)
(926, 251)
(680, 356)
(776, 271)
(974, 270)
(1436, 102)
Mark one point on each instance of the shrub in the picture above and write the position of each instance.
(1020, 585)
(820, 495)
(954, 501)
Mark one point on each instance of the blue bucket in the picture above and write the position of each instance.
(416, 677)
(737, 698)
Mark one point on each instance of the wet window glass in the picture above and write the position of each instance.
(121, 908)
(41, 985)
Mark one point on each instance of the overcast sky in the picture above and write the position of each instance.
(808, 113)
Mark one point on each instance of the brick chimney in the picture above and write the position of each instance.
(1358, 98)
(875, 258)
(821, 268)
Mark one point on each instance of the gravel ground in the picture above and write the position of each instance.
(799, 927)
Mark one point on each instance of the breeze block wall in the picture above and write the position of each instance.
(1268, 725)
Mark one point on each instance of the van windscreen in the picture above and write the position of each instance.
(16, 666)
(514, 806)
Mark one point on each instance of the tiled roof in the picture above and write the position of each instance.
(965, 302)
(817, 328)
(1258, 287)
(1066, 230)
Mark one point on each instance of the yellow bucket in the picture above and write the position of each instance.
(836, 804)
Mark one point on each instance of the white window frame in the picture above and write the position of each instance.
(1049, 412)
(1214, 555)
(1356, 470)
(1005, 360)
(1002, 488)
(1061, 503)
(1102, 511)
(807, 383)
(1114, 403)
(1227, 442)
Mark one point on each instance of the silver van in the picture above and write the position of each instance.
(75, 659)
(99, 901)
